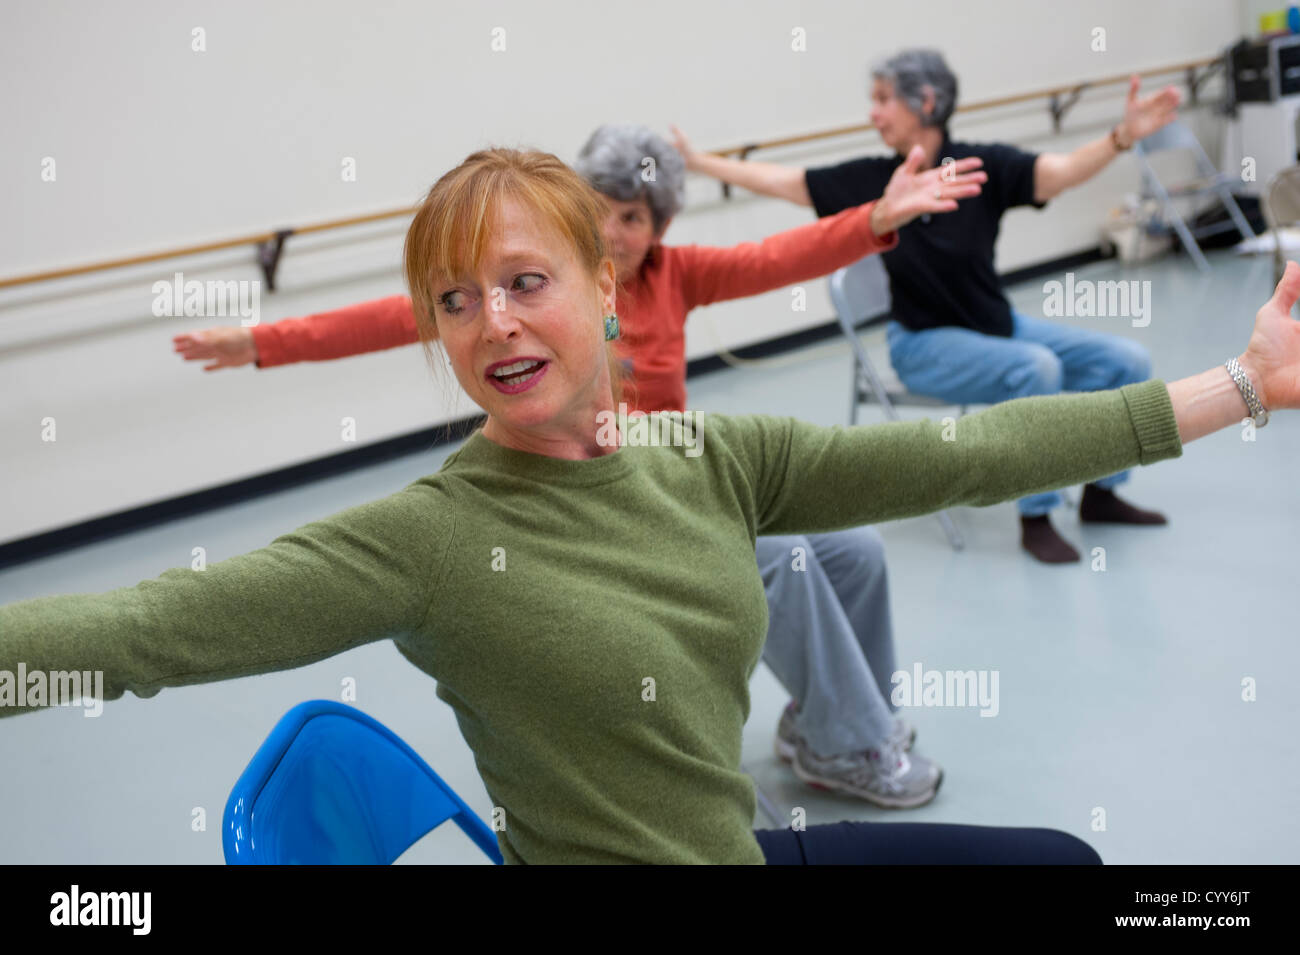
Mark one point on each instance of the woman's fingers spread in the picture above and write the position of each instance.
(1288, 289)
(942, 174)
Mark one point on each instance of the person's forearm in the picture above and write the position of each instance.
(1056, 172)
(767, 179)
(827, 479)
(1207, 402)
(801, 254)
(353, 330)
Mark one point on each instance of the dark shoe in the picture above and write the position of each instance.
(1039, 537)
(1100, 506)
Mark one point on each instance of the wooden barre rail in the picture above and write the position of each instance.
(1053, 92)
(263, 240)
(270, 244)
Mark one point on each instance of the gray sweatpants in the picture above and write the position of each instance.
(830, 637)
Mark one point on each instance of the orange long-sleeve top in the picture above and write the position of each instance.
(652, 308)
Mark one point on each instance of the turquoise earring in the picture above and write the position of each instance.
(611, 327)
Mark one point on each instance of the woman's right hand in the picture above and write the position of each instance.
(227, 347)
(1272, 358)
(683, 146)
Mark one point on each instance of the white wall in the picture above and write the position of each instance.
(157, 145)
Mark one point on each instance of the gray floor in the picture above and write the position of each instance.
(1119, 691)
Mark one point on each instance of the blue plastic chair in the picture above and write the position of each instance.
(332, 786)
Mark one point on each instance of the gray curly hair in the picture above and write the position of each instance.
(614, 162)
(910, 72)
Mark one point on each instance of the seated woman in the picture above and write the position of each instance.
(954, 334)
(830, 634)
(590, 608)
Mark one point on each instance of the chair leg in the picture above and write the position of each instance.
(949, 528)
(1170, 214)
(1234, 210)
(853, 397)
(876, 386)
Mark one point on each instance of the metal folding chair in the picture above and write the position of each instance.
(860, 293)
(1178, 137)
(1282, 208)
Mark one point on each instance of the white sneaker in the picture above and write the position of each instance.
(904, 734)
(887, 777)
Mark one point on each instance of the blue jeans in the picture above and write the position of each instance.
(830, 637)
(967, 367)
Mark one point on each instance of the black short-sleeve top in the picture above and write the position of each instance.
(942, 271)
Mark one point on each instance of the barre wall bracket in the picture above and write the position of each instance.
(744, 154)
(1059, 107)
(268, 256)
(1196, 77)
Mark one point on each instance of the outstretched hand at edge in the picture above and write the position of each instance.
(225, 347)
(1272, 358)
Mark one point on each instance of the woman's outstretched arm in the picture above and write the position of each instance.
(714, 274)
(351, 330)
(1056, 172)
(1209, 401)
(362, 575)
(810, 479)
(763, 178)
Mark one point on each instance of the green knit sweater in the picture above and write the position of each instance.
(594, 623)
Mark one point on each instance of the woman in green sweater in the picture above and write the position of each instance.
(584, 589)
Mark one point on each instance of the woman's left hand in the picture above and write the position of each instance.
(1272, 359)
(1142, 117)
(683, 146)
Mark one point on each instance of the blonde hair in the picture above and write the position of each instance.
(452, 226)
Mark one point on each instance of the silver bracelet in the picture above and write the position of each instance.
(1257, 411)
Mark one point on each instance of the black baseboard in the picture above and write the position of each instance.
(186, 505)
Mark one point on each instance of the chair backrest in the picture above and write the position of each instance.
(332, 786)
(1175, 136)
(860, 291)
(1282, 198)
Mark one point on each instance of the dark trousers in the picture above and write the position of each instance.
(922, 843)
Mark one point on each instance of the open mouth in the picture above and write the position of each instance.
(517, 375)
